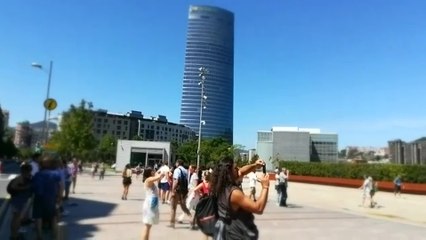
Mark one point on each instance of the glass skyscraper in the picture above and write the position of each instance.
(209, 44)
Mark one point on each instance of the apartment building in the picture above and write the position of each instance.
(410, 153)
(133, 125)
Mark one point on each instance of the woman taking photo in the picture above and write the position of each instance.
(150, 211)
(236, 219)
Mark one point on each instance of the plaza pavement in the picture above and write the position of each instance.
(314, 212)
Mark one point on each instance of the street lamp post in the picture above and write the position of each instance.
(45, 133)
(203, 98)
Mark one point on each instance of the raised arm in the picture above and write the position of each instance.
(250, 168)
(149, 181)
(239, 200)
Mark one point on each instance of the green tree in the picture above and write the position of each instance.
(211, 151)
(76, 137)
(107, 148)
(137, 138)
(187, 151)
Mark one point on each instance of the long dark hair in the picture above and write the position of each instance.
(147, 173)
(222, 176)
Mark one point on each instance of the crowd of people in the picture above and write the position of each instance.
(178, 185)
(39, 192)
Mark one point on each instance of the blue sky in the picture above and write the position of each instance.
(356, 68)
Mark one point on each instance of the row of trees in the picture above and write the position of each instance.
(76, 139)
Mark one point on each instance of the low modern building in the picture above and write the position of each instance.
(133, 125)
(296, 144)
(411, 153)
(141, 152)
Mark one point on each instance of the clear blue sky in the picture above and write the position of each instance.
(356, 68)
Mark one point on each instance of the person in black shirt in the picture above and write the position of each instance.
(235, 210)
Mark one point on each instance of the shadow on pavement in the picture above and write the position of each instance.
(81, 210)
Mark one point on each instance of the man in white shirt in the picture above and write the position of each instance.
(164, 183)
(178, 195)
(252, 183)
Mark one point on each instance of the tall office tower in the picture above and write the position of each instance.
(209, 44)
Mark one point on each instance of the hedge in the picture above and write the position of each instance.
(380, 172)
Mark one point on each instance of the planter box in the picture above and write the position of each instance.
(413, 188)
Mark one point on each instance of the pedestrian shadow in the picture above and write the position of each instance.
(82, 209)
(290, 205)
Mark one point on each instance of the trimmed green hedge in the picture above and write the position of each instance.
(380, 172)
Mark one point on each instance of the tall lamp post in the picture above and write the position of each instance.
(45, 133)
(203, 99)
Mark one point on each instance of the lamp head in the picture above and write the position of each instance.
(36, 65)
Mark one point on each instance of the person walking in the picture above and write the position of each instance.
(47, 187)
(193, 196)
(397, 182)
(74, 172)
(150, 209)
(102, 170)
(164, 183)
(127, 181)
(282, 186)
(366, 188)
(179, 192)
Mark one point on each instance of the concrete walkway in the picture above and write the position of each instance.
(314, 212)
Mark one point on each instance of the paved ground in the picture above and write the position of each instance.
(315, 212)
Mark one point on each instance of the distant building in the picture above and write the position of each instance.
(37, 128)
(133, 125)
(5, 118)
(209, 44)
(296, 144)
(23, 135)
(412, 153)
(377, 151)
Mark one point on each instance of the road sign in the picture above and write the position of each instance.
(50, 104)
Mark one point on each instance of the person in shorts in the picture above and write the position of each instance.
(164, 183)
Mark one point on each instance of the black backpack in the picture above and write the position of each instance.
(9, 188)
(182, 186)
(206, 214)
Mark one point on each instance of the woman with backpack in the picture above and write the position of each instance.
(235, 210)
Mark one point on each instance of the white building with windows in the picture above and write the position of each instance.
(296, 144)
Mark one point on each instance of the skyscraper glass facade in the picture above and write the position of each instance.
(209, 44)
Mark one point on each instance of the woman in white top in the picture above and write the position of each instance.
(150, 211)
